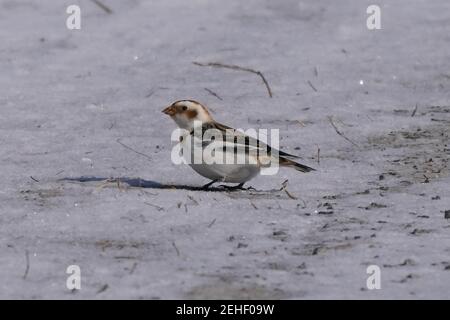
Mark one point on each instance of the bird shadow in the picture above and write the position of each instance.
(148, 184)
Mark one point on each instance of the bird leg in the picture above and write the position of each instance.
(206, 186)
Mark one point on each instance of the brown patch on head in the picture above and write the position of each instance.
(191, 114)
(202, 106)
(181, 102)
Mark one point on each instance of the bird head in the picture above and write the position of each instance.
(186, 112)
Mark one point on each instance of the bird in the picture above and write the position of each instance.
(194, 120)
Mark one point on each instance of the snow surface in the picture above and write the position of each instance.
(73, 103)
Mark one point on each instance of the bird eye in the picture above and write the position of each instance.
(184, 108)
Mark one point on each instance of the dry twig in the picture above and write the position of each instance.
(154, 206)
(27, 268)
(102, 6)
(211, 224)
(213, 93)
(193, 200)
(283, 188)
(238, 68)
(176, 248)
(340, 133)
(133, 268)
(415, 110)
(318, 154)
(311, 85)
(102, 288)
(135, 151)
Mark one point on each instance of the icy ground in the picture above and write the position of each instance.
(76, 103)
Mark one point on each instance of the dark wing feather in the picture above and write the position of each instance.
(252, 141)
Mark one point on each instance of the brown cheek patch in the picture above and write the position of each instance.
(191, 114)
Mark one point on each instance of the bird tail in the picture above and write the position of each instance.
(297, 166)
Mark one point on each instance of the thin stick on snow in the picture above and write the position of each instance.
(238, 68)
(135, 151)
(212, 223)
(213, 93)
(415, 110)
(176, 248)
(318, 154)
(27, 268)
(154, 206)
(340, 133)
(102, 6)
(312, 86)
(283, 188)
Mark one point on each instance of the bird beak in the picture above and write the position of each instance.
(170, 111)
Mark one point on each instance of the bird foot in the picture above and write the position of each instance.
(206, 186)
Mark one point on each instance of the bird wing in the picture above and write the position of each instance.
(241, 138)
(239, 143)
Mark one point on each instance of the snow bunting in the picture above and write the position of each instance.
(193, 118)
